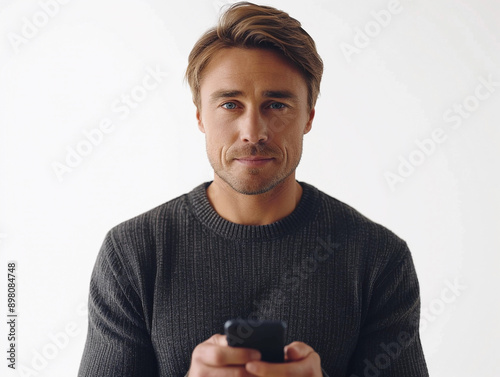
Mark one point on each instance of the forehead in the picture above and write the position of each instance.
(251, 70)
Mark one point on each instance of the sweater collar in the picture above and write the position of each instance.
(206, 214)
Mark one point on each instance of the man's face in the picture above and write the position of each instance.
(254, 114)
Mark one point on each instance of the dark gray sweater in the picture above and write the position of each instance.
(168, 279)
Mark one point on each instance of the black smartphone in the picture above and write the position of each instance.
(266, 336)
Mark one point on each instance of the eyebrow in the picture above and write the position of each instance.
(225, 94)
(285, 94)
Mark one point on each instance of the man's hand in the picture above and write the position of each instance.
(214, 357)
(300, 360)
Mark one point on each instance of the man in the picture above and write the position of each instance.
(253, 243)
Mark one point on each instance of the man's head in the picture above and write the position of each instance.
(255, 80)
(247, 25)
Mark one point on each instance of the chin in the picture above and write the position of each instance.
(253, 190)
(252, 185)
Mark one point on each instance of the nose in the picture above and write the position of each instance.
(253, 127)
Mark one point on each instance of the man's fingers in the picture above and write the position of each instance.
(296, 365)
(218, 356)
(230, 371)
(215, 352)
(297, 351)
(218, 339)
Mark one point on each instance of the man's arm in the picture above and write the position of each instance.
(118, 343)
(389, 342)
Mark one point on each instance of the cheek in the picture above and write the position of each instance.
(292, 146)
(218, 140)
(220, 131)
(290, 137)
(216, 137)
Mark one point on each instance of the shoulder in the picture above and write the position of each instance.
(363, 237)
(138, 241)
(135, 247)
(147, 223)
(346, 218)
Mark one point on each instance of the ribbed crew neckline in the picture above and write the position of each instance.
(206, 214)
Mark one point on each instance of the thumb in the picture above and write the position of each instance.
(297, 351)
(217, 339)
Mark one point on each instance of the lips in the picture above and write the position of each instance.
(254, 160)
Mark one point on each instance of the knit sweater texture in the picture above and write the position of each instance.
(169, 279)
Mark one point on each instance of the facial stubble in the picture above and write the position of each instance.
(245, 188)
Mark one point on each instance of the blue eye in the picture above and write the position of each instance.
(277, 105)
(229, 105)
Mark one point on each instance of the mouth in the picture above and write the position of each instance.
(254, 161)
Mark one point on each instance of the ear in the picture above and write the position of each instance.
(200, 122)
(310, 121)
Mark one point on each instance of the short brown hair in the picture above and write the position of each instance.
(249, 25)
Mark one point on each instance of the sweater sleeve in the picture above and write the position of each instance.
(389, 342)
(118, 341)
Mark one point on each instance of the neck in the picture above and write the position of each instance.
(261, 209)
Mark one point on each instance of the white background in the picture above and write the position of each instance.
(66, 75)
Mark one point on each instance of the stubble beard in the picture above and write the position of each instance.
(251, 186)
